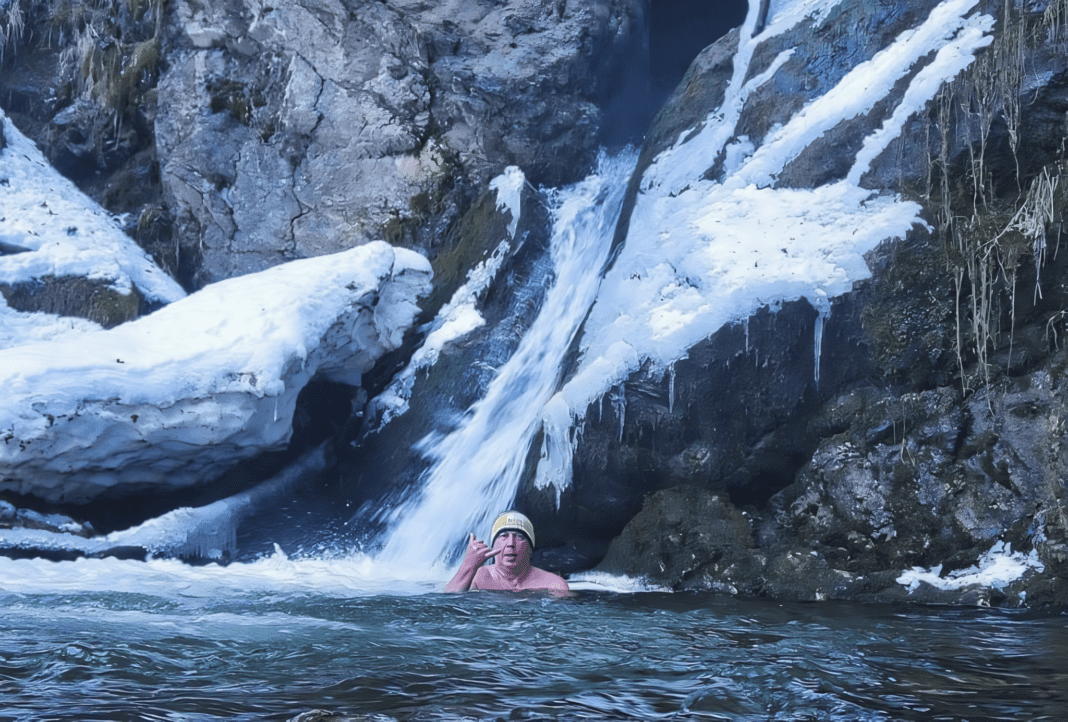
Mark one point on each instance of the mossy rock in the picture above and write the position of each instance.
(479, 232)
(74, 296)
(678, 533)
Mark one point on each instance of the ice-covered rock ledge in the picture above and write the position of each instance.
(178, 397)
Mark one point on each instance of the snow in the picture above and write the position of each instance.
(455, 320)
(65, 232)
(171, 398)
(701, 254)
(509, 189)
(17, 328)
(997, 568)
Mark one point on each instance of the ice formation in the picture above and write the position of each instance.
(998, 567)
(509, 188)
(695, 258)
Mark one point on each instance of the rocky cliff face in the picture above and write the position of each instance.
(908, 445)
(933, 434)
(233, 136)
(240, 135)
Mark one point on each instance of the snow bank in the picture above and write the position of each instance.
(700, 254)
(177, 397)
(50, 228)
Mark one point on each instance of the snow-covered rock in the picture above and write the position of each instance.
(175, 398)
(205, 532)
(51, 231)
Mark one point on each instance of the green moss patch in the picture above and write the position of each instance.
(74, 296)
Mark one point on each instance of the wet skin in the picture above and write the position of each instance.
(511, 570)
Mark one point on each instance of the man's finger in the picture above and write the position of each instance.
(494, 553)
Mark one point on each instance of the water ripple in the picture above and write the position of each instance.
(592, 657)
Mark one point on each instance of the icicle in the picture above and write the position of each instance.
(276, 409)
(509, 188)
(619, 402)
(671, 389)
(559, 439)
(823, 310)
(818, 344)
(746, 324)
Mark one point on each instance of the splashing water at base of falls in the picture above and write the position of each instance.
(476, 469)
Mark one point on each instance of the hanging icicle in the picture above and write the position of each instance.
(823, 311)
(619, 402)
(671, 389)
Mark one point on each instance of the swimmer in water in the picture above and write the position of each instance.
(512, 539)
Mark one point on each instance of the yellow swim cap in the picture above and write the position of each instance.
(515, 521)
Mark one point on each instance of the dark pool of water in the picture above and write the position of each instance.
(595, 656)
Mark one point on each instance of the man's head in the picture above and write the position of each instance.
(513, 535)
(514, 521)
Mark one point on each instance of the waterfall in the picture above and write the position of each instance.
(475, 470)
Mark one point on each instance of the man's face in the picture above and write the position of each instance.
(515, 550)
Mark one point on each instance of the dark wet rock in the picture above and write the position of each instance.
(570, 558)
(927, 441)
(929, 480)
(686, 537)
(75, 296)
(663, 431)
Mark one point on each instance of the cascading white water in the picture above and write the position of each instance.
(476, 469)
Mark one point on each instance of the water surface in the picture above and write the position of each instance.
(188, 654)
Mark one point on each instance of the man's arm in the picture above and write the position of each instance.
(476, 555)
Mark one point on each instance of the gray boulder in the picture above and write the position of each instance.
(286, 132)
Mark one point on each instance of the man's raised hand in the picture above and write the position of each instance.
(477, 552)
(474, 557)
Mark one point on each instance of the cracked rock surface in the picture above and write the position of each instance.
(298, 130)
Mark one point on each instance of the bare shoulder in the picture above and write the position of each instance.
(482, 579)
(541, 579)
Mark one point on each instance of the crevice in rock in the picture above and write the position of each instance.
(677, 31)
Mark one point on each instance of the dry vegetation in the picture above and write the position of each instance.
(988, 231)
